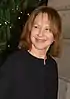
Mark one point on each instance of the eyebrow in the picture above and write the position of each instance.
(36, 24)
(39, 24)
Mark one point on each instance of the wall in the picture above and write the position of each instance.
(64, 60)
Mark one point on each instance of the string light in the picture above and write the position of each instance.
(17, 8)
(19, 18)
(12, 9)
(20, 12)
(14, 12)
(6, 23)
(39, 0)
(28, 14)
(8, 45)
(10, 27)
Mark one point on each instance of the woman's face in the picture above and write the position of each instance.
(41, 34)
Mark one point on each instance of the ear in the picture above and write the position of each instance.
(53, 41)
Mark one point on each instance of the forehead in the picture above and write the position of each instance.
(42, 17)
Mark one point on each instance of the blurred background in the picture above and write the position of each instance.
(63, 8)
(13, 15)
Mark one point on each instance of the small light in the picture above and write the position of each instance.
(12, 9)
(17, 8)
(8, 45)
(28, 14)
(19, 47)
(10, 27)
(20, 12)
(0, 24)
(6, 23)
(19, 18)
(39, 0)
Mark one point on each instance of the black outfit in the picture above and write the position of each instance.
(24, 76)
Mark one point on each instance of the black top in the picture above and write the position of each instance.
(24, 76)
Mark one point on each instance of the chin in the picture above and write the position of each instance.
(40, 47)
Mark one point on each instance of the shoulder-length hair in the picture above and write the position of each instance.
(55, 23)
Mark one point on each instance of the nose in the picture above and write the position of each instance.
(40, 33)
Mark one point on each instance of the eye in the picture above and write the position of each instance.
(35, 26)
(48, 29)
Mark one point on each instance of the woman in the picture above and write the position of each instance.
(31, 72)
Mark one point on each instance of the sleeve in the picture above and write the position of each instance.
(54, 83)
(7, 79)
(51, 80)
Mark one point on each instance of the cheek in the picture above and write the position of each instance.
(32, 35)
(34, 31)
(51, 38)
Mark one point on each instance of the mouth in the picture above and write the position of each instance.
(40, 39)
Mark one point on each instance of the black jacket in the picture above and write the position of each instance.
(24, 76)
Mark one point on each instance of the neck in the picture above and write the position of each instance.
(38, 53)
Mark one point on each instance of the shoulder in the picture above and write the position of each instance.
(13, 64)
(53, 65)
(17, 55)
(13, 59)
(52, 60)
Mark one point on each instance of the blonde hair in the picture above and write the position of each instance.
(55, 22)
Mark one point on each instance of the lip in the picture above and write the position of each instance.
(40, 39)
